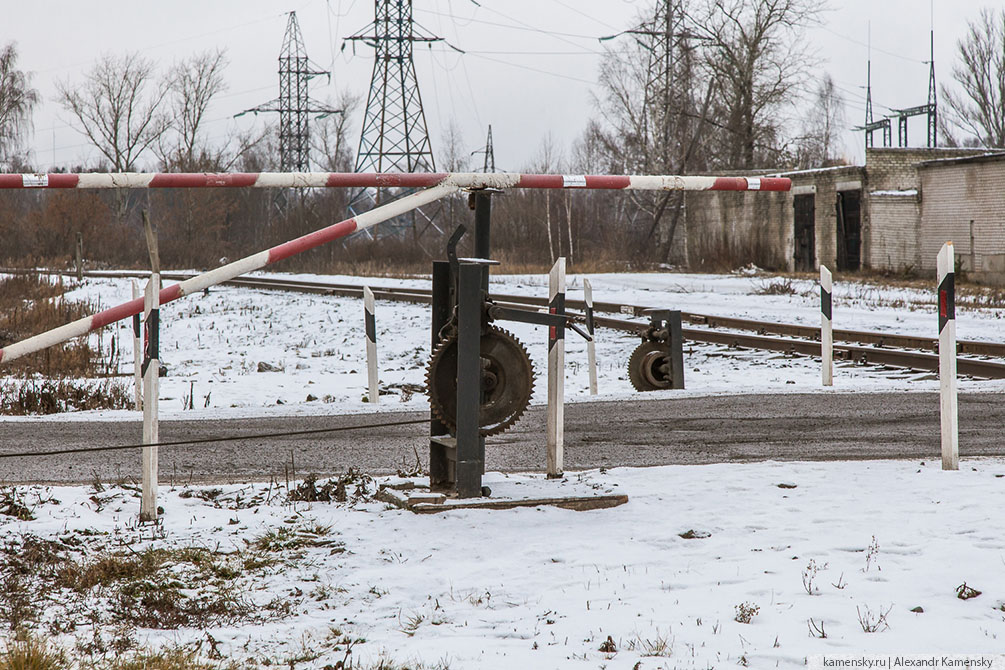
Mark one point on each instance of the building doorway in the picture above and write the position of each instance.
(804, 232)
(849, 230)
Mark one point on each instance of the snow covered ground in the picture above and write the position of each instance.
(213, 344)
(793, 547)
(786, 561)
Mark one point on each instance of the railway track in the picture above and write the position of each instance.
(886, 349)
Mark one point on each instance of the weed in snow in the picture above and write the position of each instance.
(872, 555)
(745, 612)
(810, 574)
(873, 622)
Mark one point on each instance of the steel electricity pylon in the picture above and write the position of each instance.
(394, 136)
(294, 105)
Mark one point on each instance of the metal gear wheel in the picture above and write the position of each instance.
(650, 368)
(507, 378)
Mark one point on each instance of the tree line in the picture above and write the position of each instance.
(690, 87)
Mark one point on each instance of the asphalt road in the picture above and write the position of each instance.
(641, 432)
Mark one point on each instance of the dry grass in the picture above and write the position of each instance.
(32, 653)
(21, 397)
(32, 304)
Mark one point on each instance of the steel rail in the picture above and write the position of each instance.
(887, 349)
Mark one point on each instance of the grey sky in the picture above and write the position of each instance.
(529, 70)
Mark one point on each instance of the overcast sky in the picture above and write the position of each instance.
(529, 69)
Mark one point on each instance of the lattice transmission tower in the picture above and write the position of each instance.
(489, 153)
(394, 136)
(294, 104)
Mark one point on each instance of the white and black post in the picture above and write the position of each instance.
(826, 328)
(151, 379)
(556, 372)
(591, 348)
(371, 345)
(137, 354)
(947, 359)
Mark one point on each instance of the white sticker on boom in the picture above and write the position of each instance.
(34, 180)
(753, 183)
(574, 181)
(628, 309)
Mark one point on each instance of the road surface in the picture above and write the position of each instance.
(641, 432)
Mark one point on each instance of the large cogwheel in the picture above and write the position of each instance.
(507, 381)
(649, 367)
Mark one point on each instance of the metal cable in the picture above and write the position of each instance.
(206, 440)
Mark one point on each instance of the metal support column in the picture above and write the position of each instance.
(441, 471)
(665, 324)
(470, 463)
(481, 202)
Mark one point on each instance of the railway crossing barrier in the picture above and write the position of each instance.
(947, 359)
(435, 186)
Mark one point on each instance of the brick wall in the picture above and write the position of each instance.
(965, 203)
(894, 238)
(893, 232)
(897, 169)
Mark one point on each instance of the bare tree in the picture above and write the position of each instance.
(118, 107)
(756, 51)
(330, 137)
(17, 102)
(820, 142)
(192, 85)
(655, 101)
(980, 71)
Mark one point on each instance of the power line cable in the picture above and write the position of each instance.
(208, 440)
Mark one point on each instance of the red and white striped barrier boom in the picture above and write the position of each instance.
(226, 272)
(389, 180)
(437, 185)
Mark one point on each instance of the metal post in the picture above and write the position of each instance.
(151, 371)
(371, 344)
(470, 444)
(591, 347)
(556, 372)
(79, 254)
(441, 475)
(947, 359)
(483, 218)
(826, 328)
(137, 353)
(676, 332)
(151, 375)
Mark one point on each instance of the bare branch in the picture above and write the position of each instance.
(118, 108)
